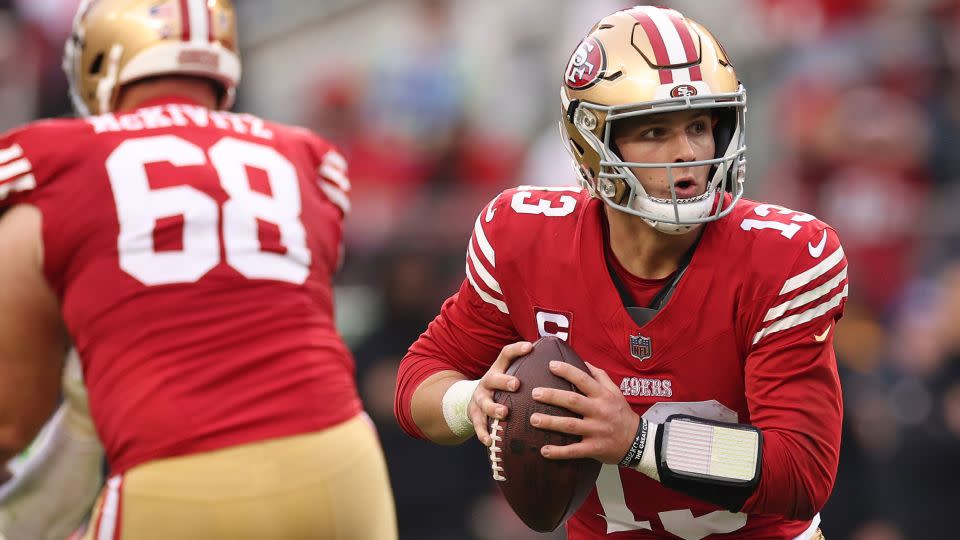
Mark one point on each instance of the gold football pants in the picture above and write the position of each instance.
(329, 484)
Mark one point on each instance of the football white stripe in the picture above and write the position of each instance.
(20, 184)
(671, 38)
(199, 22)
(806, 297)
(484, 274)
(109, 513)
(11, 153)
(336, 196)
(485, 246)
(15, 169)
(483, 294)
(800, 318)
(808, 276)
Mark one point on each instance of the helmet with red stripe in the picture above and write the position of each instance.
(644, 61)
(115, 42)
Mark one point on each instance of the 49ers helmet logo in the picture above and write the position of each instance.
(587, 64)
(683, 90)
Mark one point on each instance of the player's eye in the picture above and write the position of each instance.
(698, 127)
(653, 133)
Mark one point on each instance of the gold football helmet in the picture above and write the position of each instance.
(115, 42)
(648, 60)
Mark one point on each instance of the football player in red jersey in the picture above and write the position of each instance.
(706, 319)
(187, 253)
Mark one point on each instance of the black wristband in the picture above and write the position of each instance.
(632, 458)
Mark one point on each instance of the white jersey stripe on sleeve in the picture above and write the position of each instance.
(334, 168)
(499, 304)
(336, 196)
(9, 154)
(800, 318)
(485, 246)
(808, 276)
(807, 297)
(335, 176)
(17, 168)
(20, 184)
(335, 159)
(484, 274)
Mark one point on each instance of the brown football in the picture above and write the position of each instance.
(542, 492)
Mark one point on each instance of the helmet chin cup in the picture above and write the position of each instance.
(674, 229)
(689, 210)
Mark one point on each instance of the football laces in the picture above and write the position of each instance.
(496, 435)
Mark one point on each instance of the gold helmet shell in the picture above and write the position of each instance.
(115, 42)
(649, 60)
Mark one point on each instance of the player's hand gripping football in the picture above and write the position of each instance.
(608, 424)
(482, 404)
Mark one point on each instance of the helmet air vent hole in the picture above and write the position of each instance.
(614, 76)
(96, 64)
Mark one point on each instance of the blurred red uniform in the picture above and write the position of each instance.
(746, 337)
(193, 252)
(187, 253)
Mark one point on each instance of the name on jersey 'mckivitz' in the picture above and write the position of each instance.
(175, 114)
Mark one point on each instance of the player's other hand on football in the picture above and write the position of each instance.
(608, 424)
(482, 404)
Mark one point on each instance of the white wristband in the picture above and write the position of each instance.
(648, 461)
(455, 404)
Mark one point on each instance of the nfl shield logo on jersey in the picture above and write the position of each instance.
(640, 347)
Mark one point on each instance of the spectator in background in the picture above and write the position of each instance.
(48, 23)
(19, 70)
(923, 393)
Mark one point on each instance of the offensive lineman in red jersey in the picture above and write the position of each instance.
(187, 253)
(682, 297)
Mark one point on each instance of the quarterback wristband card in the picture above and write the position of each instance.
(712, 452)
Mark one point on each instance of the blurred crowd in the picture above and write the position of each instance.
(439, 104)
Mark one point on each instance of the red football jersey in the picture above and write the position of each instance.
(746, 337)
(192, 252)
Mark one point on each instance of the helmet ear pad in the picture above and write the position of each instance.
(724, 129)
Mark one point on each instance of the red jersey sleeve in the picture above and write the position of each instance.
(17, 176)
(792, 386)
(473, 325)
(332, 173)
